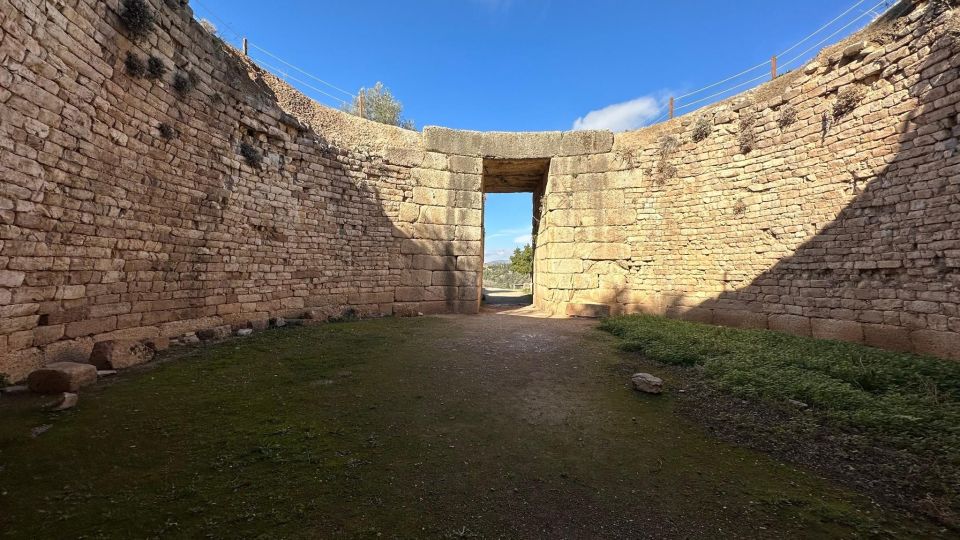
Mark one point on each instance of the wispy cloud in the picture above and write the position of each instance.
(503, 233)
(525, 239)
(497, 255)
(624, 116)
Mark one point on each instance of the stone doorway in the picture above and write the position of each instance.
(509, 176)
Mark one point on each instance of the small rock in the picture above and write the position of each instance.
(811, 68)
(106, 372)
(15, 389)
(120, 354)
(648, 383)
(61, 377)
(68, 400)
(278, 322)
(217, 332)
(40, 430)
(797, 403)
(189, 339)
(244, 331)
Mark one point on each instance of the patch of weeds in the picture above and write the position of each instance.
(4, 379)
(665, 169)
(182, 84)
(910, 402)
(739, 208)
(788, 116)
(167, 131)
(251, 155)
(134, 66)
(747, 137)
(847, 101)
(702, 129)
(155, 68)
(138, 18)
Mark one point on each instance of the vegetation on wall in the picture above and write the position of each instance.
(134, 66)
(155, 68)
(138, 18)
(747, 138)
(702, 129)
(788, 115)
(182, 84)
(167, 131)
(251, 155)
(847, 101)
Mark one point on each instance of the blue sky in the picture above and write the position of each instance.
(530, 65)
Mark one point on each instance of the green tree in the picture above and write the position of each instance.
(379, 105)
(521, 261)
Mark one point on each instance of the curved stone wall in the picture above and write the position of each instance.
(826, 203)
(139, 206)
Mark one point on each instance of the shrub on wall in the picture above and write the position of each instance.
(702, 129)
(155, 68)
(182, 84)
(668, 144)
(747, 137)
(137, 17)
(847, 101)
(788, 115)
(167, 131)
(251, 155)
(134, 66)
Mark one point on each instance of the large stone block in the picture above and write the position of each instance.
(593, 311)
(120, 354)
(797, 325)
(885, 336)
(61, 377)
(739, 318)
(935, 343)
(837, 329)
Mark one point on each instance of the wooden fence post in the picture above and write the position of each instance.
(773, 67)
(671, 107)
(360, 103)
(245, 47)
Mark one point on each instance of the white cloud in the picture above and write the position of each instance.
(497, 255)
(525, 239)
(624, 116)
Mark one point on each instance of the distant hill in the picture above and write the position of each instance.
(498, 274)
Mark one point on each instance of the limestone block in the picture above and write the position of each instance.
(61, 377)
(120, 354)
(790, 324)
(837, 329)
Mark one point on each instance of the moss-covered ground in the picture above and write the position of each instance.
(446, 427)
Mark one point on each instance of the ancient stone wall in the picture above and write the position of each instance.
(826, 203)
(138, 203)
(157, 186)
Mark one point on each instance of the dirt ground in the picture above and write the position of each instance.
(489, 426)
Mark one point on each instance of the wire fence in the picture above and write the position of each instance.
(326, 92)
(736, 82)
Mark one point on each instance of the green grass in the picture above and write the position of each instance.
(909, 401)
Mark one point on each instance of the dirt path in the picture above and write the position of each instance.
(490, 426)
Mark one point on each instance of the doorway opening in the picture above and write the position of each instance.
(512, 189)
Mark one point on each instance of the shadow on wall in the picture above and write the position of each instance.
(886, 270)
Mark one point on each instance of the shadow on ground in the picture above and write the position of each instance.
(439, 427)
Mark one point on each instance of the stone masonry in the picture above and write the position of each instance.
(139, 206)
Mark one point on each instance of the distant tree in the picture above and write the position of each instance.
(379, 105)
(521, 261)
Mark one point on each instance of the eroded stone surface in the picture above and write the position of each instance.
(61, 377)
(110, 355)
